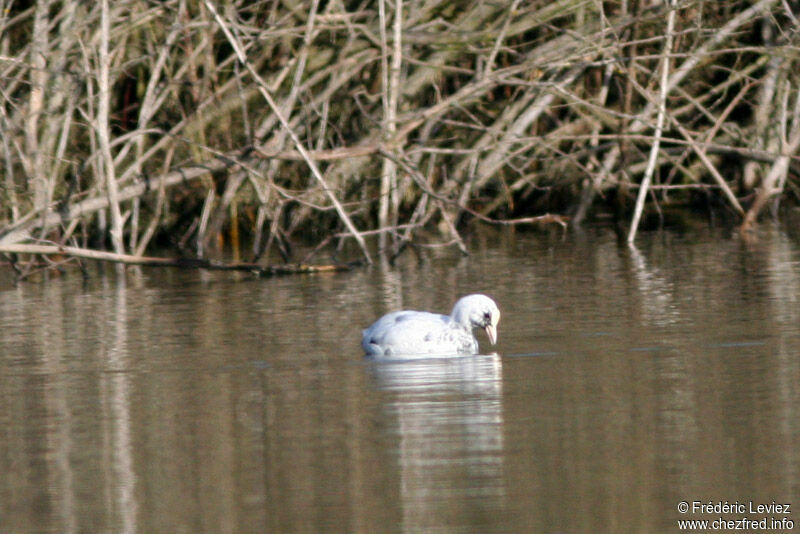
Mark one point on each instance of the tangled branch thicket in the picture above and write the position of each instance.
(135, 123)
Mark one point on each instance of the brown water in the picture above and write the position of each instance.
(625, 382)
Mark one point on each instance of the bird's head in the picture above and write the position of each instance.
(478, 311)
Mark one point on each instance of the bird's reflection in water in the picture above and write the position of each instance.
(449, 425)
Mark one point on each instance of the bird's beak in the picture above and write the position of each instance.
(491, 331)
(491, 328)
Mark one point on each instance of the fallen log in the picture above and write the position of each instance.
(183, 263)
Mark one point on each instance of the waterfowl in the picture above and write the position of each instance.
(417, 333)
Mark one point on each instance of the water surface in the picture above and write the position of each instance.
(624, 382)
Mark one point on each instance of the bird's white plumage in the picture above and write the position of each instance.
(414, 333)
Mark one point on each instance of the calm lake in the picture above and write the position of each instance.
(625, 383)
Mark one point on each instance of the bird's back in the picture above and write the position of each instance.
(417, 333)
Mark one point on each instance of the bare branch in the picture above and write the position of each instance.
(662, 113)
(268, 97)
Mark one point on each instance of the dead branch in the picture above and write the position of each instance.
(379, 124)
(268, 97)
(183, 263)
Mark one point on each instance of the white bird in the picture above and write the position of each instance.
(415, 333)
